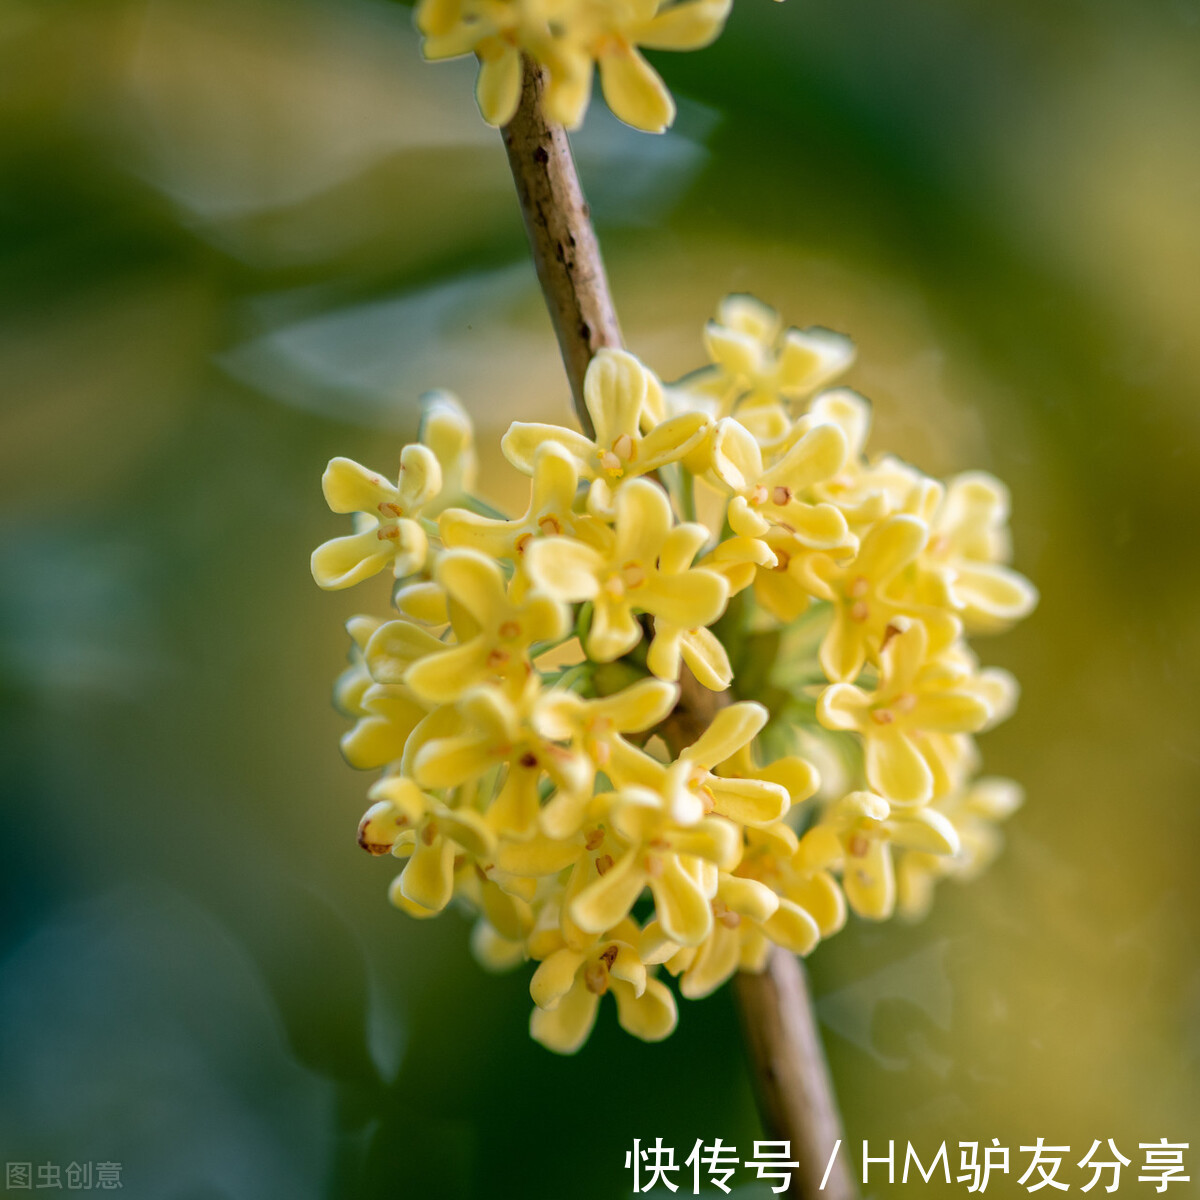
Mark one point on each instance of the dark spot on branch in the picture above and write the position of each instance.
(541, 156)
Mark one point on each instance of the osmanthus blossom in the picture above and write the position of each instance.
(619, 393)
(759, 369)
(569, 39)
(526, 699)
(974, 811)
(914, 695)
(641, 565)
(568, 984)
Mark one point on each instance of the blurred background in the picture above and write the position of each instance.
(238, 237)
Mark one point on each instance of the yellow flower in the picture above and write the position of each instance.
(799, 871)
(569, 37)
(410, 824)
(677, 860)
(715, 774)
(758, 368)
(389, 531)
(975, 812)
(868, 829)
(642, 568)
(595, 726)
(615, 390)
(915, 695)
(446, 430)
(550, 512)
(495, 631)
(746, 915)
(549, 812)
(968, 546)
(764, 496)
(385, 715)
(568, 984)
(869, 591)
(496, 732)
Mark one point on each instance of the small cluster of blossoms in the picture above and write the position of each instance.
(569, 39)
(523, 700)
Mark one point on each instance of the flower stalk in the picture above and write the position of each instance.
(792, 1082)
(565, 251)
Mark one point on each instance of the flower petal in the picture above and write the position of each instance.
(749, 801)
(350, 487)
(731, 729)
(634, 91)
(682, 907)
(707, 659)
(896, 769)
(498, 87)
(520, 445)
(564, 568)
(614, 390)
(555, 977)
(793, 928)
(870, 882)
(606, 900)
(428, 877)
(344, 561)
(565, 1027)
(442, 678)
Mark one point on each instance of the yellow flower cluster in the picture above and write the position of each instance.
(523, 699)
(569, 39)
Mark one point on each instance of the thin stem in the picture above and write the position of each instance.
(565, 251)
(791, 1078)
(794, 1090)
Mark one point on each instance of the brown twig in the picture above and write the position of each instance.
(792, 1081)
(565, 250)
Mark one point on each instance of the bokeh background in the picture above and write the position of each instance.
(238, 237)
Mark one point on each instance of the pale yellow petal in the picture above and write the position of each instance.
(747, 897)
(442, 678)
(614, 390)
(843, 706)
(732, 728)
(395, 646)
(520, 445)
(634, 91)
(350, 487)
(870, 882)
(498, 87)
(554, 978)
(792, 927)
(672, 440)
(707, 659)
(628, 967)
(564, 568)
(680, 904)
(687, 26)
(896, 769)
(650, 1016)
(715, 961)
(537, 857)
(565, 1028)
(344, 561)
(601, 904)
(925, 830)
(749, 801)
(428, 877)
